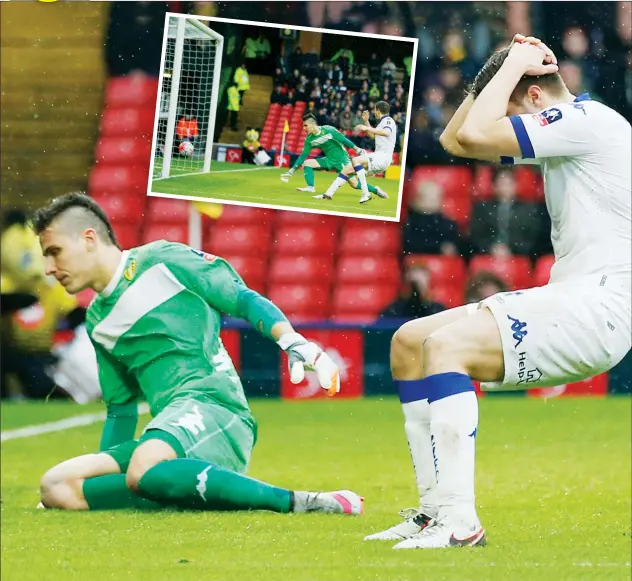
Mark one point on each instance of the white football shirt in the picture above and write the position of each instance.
(386, 144)
(584, 150)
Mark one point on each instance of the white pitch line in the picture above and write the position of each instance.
(217, 171)
(60, 425)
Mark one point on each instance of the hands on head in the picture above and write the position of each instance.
(533, 55)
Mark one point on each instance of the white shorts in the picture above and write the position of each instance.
(562, 332)
(379, 161)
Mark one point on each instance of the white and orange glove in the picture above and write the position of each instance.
(304, 356)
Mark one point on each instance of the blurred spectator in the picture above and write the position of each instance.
(257, 53)
(186, 130)
(243, 81)
(483, 285)
(573, 77)
(295, 60)
(344, 57)
(278, 96)
(414, 301)
(427, 230)
(345, 121)
(279, 77)
(388, 68)
(233, 105)
(576, 49)
(295, 80)
(505, 226)
(374, 66)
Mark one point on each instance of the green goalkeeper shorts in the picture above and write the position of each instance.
(201, 429)
(337, 164)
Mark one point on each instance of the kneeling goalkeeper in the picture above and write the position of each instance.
(155, 327)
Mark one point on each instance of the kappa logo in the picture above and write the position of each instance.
(549, 116)
(192, 421)
(130, 271)
(202, 479)
(519, 330)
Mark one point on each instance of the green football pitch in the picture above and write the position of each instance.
(263, 186)
(553, 491)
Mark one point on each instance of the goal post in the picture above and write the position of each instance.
(187, 97)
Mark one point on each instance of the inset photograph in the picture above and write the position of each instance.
(290, 118)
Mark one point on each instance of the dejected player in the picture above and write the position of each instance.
(155, 327)
(385, 135)
(333, 144)
(577, 326)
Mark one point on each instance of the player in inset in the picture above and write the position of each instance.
(577, 326)
(155, 326)
(333, 144)
(385, 135)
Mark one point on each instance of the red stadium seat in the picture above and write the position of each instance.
(458, 209)
(456, 180)
(251, 268)
(286, 218)
(515, 270)
(127, 121)
(448, 295)
(123, 150)
(168, 211)
(444, 270)
(131, 91)
(305, 240)
(301, 269)
(245, 215)
(367, 300)
(301, 300)
(483, 183)
(170, 232)
(242, 240)
(108, 179)
(123, 207)
(529, 185)
(370, 238)
(368, 269)
(127, 235)
(542, 271)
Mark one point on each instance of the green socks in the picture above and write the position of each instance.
(110, 492)
(372, 189)
(309, 176)
(196, 484)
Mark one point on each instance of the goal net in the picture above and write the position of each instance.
(187, 100)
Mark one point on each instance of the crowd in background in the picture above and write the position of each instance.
(337, 92)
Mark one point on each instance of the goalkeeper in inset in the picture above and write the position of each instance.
(333, 144)
(155, 327)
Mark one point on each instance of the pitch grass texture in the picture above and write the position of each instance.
(553, 492)
(254, 185)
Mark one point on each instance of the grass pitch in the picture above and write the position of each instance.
(232, 182)
(553, 483)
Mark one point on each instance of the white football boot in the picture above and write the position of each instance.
(337, 502)
(441, 535)
(365, 197)
(414, 522)
(323, 197)
(308, 189)
(381, 193)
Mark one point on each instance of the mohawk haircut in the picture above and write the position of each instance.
(383, 107)
(86, 213)
(552, 82)
(309, 117)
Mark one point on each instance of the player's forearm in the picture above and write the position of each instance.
(120, 425)
(380, 132)
(340, 138)
(448, 138)
(491, 105)
(299, 161)
(261, 313)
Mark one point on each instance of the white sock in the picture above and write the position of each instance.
(417, 426)
(453, 425)
(337, 183)
(361, 173)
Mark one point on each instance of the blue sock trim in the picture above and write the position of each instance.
(358, 168)
(444, 385)
(343, 176)
(410, 390)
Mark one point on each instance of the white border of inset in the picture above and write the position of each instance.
(403, 152)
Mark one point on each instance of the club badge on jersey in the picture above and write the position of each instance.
(549, 116)
(205, 255)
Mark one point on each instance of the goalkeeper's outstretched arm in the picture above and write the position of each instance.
(306, 149)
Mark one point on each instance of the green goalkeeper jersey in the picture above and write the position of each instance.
(331, 142)
(155, 328)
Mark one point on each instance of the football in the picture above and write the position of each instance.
(186, 148)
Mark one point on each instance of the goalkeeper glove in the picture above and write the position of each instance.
(307, 356)
(361, 151)
(286, 176)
